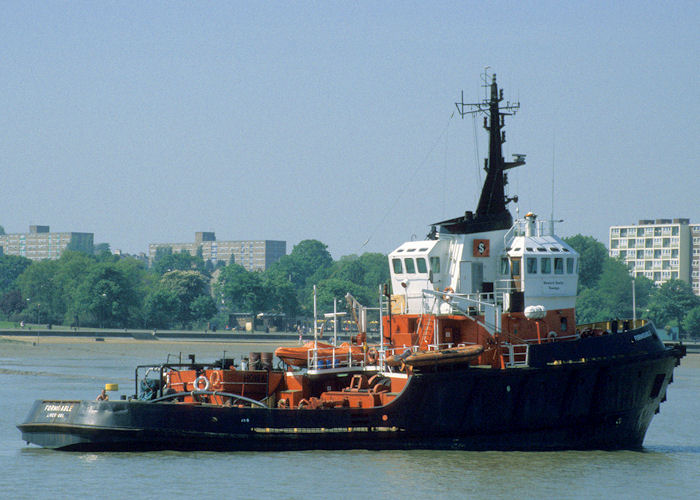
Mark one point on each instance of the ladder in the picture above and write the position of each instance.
(425, 331)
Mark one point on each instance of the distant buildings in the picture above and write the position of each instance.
(40, 244)
(660, 250)
(254, 255)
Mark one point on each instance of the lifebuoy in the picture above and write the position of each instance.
(372, 355)
(214, 378)
(197, 381)
(447, 298)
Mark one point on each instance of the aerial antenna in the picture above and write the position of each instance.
(444, 168)
(509, 109)
(554, 141)
(485, 85)
(551, 218)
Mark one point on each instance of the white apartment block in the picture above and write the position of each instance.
(254, 255)
(695, 258)
(660, 250)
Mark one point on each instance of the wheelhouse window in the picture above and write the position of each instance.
(410, 266)
(558, 265)
(422, 267)
(546, 265)
(398, 268)
(570, 265)
(531, 265)
(515, 267)
(435, 264)
(505, 268)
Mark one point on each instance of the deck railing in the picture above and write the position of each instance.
(516, 354)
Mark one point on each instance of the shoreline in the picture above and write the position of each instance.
(251, 339)
(64, 336)
(61, 339)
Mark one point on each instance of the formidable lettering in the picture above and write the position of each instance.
(57, 410)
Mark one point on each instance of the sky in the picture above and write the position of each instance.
(144, 122)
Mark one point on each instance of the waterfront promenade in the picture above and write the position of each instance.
(34, 333)
(37, 332)
(154, 335)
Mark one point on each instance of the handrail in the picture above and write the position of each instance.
(214, 393)
(335, 359)
(482, 300)
(607, 325)
(510, 235)
(482, 306)
(512, 354)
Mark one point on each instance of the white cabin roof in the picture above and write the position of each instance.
(538, 245)
(409, 248)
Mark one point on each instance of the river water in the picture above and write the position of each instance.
(668, 467)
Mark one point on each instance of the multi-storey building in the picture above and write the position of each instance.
(695, 258)
(39, 243)
(660, 250)
(254, 255)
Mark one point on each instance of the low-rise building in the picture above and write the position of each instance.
(254, 255)
(40, 243)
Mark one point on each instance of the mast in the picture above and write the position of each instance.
(492, 199)
(491, 212)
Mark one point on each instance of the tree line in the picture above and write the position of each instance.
(179, 290)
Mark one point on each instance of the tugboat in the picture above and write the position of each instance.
(478, 350)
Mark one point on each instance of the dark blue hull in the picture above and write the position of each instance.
(598, 393)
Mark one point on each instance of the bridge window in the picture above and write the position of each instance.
(546, 265)
(531, 265)
(435, 264)
(422, 268)
(398, 268)
(505, 269)
(515, 265)
(570, 265)
(558, 265)
(410, 266)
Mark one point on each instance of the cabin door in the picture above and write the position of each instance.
(471, 275)
(516, 273)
